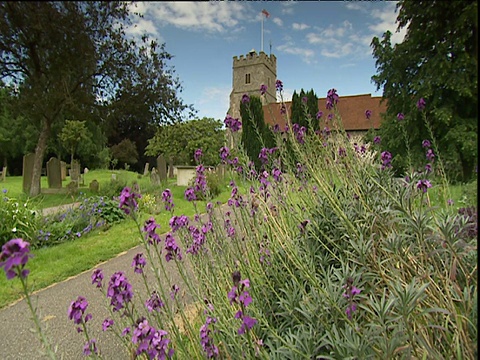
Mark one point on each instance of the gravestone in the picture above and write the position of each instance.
(154, 178)
(161, 168)
(54, 173)
(75, 171)
(94, 186)
(63, 170)
(145, 170)
(27, 172)
(3, 173)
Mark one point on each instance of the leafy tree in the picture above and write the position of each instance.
(75, 58)
(437, 61)
(72, 134)
(125, 152)
(304, 113)
(255, 133)
(178, 142)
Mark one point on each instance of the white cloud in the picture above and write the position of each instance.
(297, 26)
(216, 100)
(306, 55)
(386, 20)
(278, 21)
(287, 7)
(200, 16)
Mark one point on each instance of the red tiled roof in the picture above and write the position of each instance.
(351, 109)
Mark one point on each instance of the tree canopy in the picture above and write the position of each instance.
(305, 109)
(178, 142)
(74, 60)
(437, 61)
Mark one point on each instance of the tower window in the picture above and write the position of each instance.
(247, 78)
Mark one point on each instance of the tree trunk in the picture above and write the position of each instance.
(38, 160)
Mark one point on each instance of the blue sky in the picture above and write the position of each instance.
(319, 45)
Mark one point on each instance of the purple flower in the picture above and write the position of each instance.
(224, 153)
(247, 324)
(97, 277)
(197, 155)
(172, 249)
(77, 309)
(319, 115)
(428, 168)
(149, 229)
(350, 309)
(127, 200)
(349, 294)
(151, 341)
(421, 104)
(368, 114)
(386, 160)
(377, 140)
(107, 323)
(154, 303)
(450, 202)
(119, 291)
(139, 263)
(245, 99)
(263, 89)
(190, 194)
(430, 155)
(174, 291)
(423, 185)
(89, 347)
(426, 143)
(177, 222)
(13, 258)
(400, 117)
(283, 109)
(332, 98)
(167, 199)
(233, 124)
(206, 340)
(279, 85)
(304, 99)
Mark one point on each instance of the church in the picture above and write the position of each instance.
(252, 70)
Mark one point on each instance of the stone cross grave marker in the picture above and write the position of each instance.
(54, 173)
(145, 170)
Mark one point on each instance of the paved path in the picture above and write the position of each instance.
(18, 342)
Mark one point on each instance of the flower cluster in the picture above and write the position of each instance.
(197, 155)
(139, 263)
(167, 199)
(149, 229)
(76, 310)
(423, 185)
(13, 258)
(233, 124)
(332, 99)
(263, 89)
(97, 277)
(119, 291)
(154, 302)
(178, 222)
(238, 295)
(386, 160)
(152, 342)
(245, 99)
(206, 340)
(127, 200)
(172, 249)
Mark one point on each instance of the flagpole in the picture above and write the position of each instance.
(262, 35)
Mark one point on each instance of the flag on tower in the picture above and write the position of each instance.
(266, 13)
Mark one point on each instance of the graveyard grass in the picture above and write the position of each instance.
(57, 263)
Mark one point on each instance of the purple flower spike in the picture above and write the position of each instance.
(13, 258)
(97, 277)
(423, 185)
(421, 104)
(139, 263)
(400, 117)
(368, 114)
(77, 309)
(263, 89)
(127, 200)
(279, 85)
(245, 99)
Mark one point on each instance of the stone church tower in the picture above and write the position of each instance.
(249, 73)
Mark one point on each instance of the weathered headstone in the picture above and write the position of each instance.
(63, 170)
(154, 178)
(75, 171)
(145, 170)
(54, 173)
(28, 172)
(94, 186)
(161, 168)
